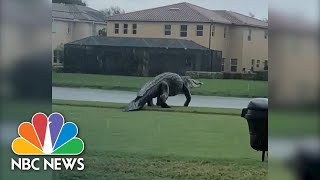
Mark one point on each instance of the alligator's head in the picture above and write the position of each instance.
(191, 83)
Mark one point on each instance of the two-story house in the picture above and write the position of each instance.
(242, 40)
(73, 22)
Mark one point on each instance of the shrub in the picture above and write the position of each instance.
(57, 69)
(204, 75)
(260, 76)
(232, 75)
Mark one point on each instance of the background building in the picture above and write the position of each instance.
(242, 40)
(73, 22)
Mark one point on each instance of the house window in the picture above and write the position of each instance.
(167, 29)
(222, 64)
(183, 30)
(125, 28)
(249, 34)
(199, 30)
(258, 64)
(252, 64)
(266, 34)
(69, 28)
(134, 28)
(213, 31)
(94, 29)
(234, 65)
(225, 32)
(116, 28)
(55, 56)
(265, 65)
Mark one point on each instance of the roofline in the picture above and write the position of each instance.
(144, 10)
(248, 25)
(79, 20)
(87, 7)
(177, 39)
(242, 15)
(209, 22)
(203, 49)
(160, 21)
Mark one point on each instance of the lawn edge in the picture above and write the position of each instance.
(124, 88)
(196, 110)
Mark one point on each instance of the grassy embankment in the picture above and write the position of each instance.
(205, 143)
(211, 87)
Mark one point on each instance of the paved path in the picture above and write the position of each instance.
(86, 94)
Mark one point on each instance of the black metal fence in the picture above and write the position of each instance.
(138, 61)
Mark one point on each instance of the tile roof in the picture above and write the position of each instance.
(138, 42)
(76, 12)
(186, 12)
(240, 19)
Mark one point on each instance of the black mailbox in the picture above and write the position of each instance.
(257, 116)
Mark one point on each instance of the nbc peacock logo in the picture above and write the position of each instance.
(47, 136)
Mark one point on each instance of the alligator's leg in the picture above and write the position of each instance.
(164, 94)
(187, 93)
(150, 102)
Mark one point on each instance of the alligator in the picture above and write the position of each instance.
(161, 87)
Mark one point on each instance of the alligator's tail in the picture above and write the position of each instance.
(136, 104)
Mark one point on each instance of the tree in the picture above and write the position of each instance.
(103, 32)
(113, 10)
(252, 15)
(77, 2)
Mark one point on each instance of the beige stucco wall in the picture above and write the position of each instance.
(78, 31)
(60, 33)
(234, 48)
(234, 45)
(256, 49)
(156, 30)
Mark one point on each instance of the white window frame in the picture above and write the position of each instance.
(167, 30)
(125, 29)
(199, 30)
(232, 65)
(213, 31)
(252, 64)
(134, 29)
(223, 64)
(116, 28)
(94, 29)
(249, 34)
(69, 28)
(184, 31)
(266, 34)
(258, 63)
(225, 32)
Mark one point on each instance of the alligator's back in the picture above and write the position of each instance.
(149, 86)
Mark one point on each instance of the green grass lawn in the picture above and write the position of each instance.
(152, 144)
(211, 87)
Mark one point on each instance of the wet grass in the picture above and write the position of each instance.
(211, 87)
(161, 145)
(199, 110)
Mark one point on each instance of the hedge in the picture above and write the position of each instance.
(260, 76)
